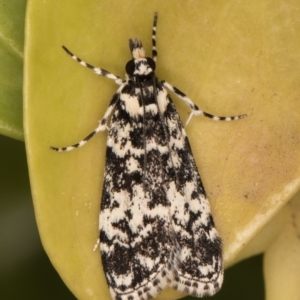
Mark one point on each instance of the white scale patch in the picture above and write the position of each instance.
(131, 105)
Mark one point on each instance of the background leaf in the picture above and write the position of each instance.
(230, 57)
(25, 270)
(12, 18)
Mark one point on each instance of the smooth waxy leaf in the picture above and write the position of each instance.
(230, 58)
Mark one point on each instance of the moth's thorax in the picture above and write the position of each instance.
(142, 67)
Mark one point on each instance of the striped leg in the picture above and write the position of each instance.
(196, 111)
(101, 127)
(154, 51)
(98, 71)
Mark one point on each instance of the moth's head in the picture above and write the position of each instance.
(139, 65)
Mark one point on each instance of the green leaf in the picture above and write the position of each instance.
(229, 57)
(12, 17)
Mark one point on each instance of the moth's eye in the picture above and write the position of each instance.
(130, 67)
(151, 63)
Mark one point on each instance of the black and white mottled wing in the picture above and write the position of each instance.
(156, 229)
(135, 239)
(197, 263)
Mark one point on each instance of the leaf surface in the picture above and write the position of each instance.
(230, 58)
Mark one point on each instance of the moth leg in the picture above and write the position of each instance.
(97, 70)
(101, 127)
(154, 51)
(97, 244)
(196, 111)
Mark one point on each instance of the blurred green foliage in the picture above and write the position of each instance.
(25, 270)
(12, 20)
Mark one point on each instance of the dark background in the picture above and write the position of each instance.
(25, 270)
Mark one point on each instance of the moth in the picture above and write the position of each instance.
(156, 229)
